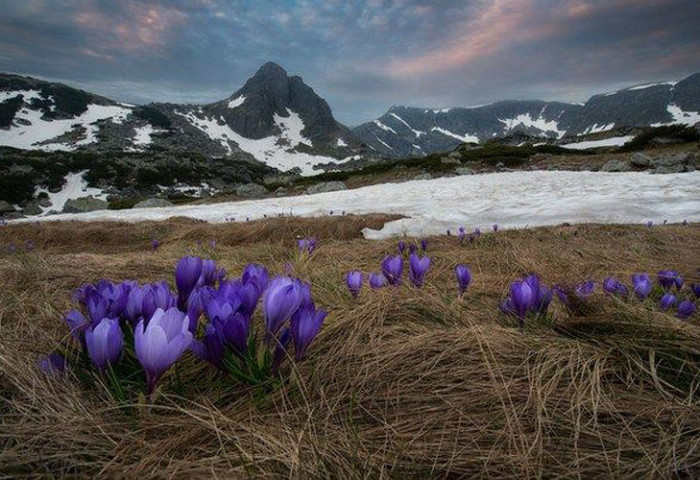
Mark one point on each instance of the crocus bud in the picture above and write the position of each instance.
(522, 297)
(667, 301)
(685, 309)
(52, 363)
(424, 244)
(305, 323)
(354, 282)
(642, 285)
(392, 268)
(418, 267)
(464, 277)
(283, 297)
(401, 246)
(104, 342)
(377, 280)
(187, 275)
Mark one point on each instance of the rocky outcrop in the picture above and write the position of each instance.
(84, 204)
(326, 187)
(154, 203)
(674, 163)
(615, 165)
(251, 190)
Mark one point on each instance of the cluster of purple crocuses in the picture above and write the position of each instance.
(307, 245)
(392, 268)
(529, 295)
(164, 324)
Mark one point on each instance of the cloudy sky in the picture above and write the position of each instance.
(362, 56)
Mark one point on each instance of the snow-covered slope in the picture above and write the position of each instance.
(513, 200)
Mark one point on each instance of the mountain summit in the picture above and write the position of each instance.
(274, 118)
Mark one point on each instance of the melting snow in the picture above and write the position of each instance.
(28, 95)
(384, 127)
(383, 143)
(417, 133)
(649, 85)
(607, 142)
(679, 116)
(341, 143)
(442, 110)
(466, 138)
(270, 150)
(539, 123)
(143, 134)
(39, 131)
(596, 129)
(513, 200)
(236, 102)
(75, 186)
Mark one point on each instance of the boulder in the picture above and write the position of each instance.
(32, 208)
(464, 171)
(454, 154)
(6, 207)
(153, 203)
(84, 204)
(281, 192)
(251, 190)
(615, 165)
(638, 159)
(674, 163)
(326, 187)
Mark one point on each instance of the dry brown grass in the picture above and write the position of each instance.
(401, 383)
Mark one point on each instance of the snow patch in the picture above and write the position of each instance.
(466, 138)
(679, 116)
(270, 150)
(27, 95)
(383, 143)
(513, 200)
(649, 85)
(442, 110)
(417, 133)
(75, 186)
(38, 131)
(384, 127)
(607, 142)
(596, 129)
(539, 123)
(236, 102)
(341, 143)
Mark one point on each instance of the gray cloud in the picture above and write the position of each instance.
(362, 56)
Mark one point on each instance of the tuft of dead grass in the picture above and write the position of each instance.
(401, 383)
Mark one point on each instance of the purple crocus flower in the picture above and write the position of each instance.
(424, 244)
(610, 285)
(283, 297)
(53, 363)
(257, 274)
(354, 282)
(160, 344)
(462, 233)
(522, 297)
(685, 222)
(104, 342)
(650, 224)
(641, 285)
(418, 267)
(209, 274)
(392, 268)
(477, 231)
(678, 281)
(156, 295)
(562, 294)
(212, 242)
(233, 326)
(133, 310)
(534, 282)
(306, 323)
(77, 324)
(401, 246)
(495, 227)
(307, 245)
(155, 244)
(377, 280)
(197, 304)
(29, 245)
(506, 306)
(685, 309)
(696, 289)
(187, 275)
(449, 233)
(412, 248)
(667, 301)
(542, 300)
(210, 348)
(12, 248)
(464, 277)
(584, 289)
(667, 278)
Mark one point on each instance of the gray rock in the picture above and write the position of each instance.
(281, 192)
(454, 154)
(153, 203)
(464, 171)
(423, 176)
(638, 159)
(6, 207)
(32, 208)
(326, 187)
(84, 204)
(449, 160)
(615, 165)
(674, 163)
(251, 190)
(500, 165)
